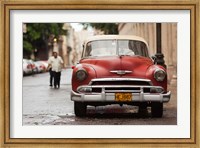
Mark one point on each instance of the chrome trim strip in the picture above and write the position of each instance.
(118, 86)
(119, 79)
(115, 91)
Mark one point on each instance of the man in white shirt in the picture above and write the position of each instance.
(56, 63)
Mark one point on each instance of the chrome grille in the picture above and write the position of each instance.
(121, 81)
(120, 88)
(112, 85)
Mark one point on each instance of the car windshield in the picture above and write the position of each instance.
(115, 47)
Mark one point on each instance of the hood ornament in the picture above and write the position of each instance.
(121, 72)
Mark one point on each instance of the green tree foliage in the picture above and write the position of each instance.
(108, 28)
(37, 35)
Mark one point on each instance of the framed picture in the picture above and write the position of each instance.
(34, 112)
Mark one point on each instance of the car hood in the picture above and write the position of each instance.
(119, 66)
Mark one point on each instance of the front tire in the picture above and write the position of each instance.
(80, 109)
(157, 110)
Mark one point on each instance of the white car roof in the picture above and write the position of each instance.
(107, 37)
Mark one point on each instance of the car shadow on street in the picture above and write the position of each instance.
(118, 113)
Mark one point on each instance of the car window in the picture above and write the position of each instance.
(101, 48)
(115, 47)
(132, 47)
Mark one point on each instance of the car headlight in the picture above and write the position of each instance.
(81, 74)
(159, 74)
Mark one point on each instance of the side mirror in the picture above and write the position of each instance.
(154, 59)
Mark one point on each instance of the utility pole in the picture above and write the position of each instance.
(159, 56)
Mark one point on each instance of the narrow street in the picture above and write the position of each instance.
(43, 105)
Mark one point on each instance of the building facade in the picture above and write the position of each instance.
(168, 41)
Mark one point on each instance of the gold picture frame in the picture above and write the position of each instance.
(7, 5)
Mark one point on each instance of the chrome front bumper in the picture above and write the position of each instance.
(110, 97)
(106, 93)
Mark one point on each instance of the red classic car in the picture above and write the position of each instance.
(116, 69)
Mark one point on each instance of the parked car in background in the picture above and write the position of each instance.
(33, 66)
(40, 66)
(27, 67)
(45, 63)
(117, 69)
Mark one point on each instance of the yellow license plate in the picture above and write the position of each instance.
(123, 96)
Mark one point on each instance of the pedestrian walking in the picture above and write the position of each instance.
(56, 64)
